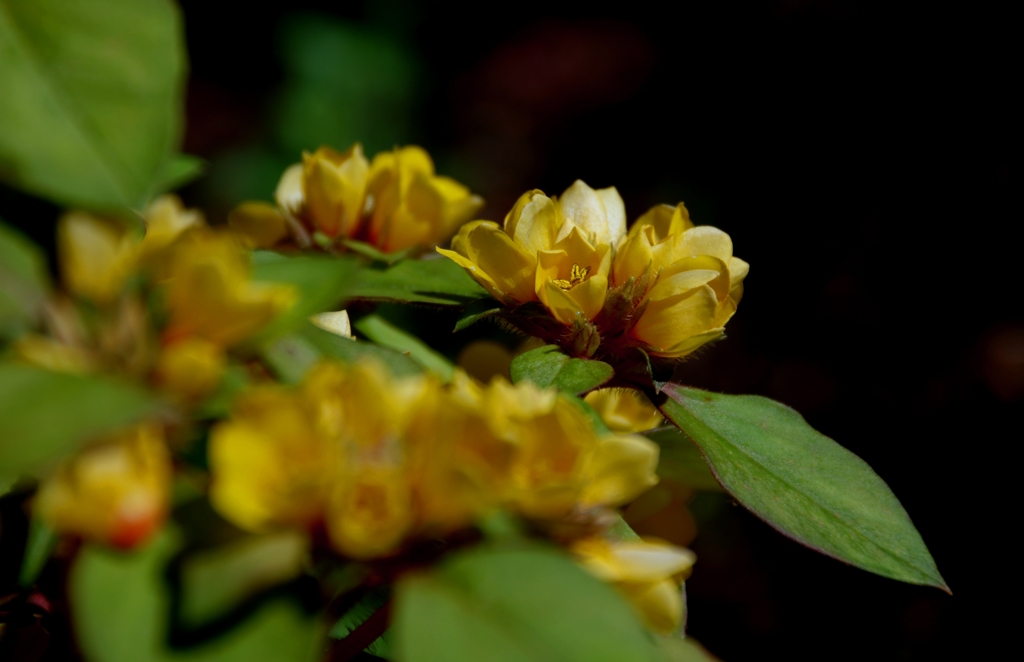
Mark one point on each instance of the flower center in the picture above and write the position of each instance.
(577, 275)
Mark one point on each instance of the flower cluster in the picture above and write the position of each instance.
(665, 287)
(396, 202)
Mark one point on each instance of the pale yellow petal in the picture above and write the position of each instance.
(706, 240)
(289, 195)
(667, 322)
(632, 259)
(660, 604)
(616, 210)
(489, 250)
(337, 323)
(620, 468)
(649, 561)
(738, 270)
(534, 222)
(583, 208)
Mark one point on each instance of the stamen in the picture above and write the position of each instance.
(577, 275)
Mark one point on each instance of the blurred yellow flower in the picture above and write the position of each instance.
(271, 465)
(410, 205)
(689, 282)
(553, 250)
(648, 573)
(115, 492)
(190, 368)
(624, 410)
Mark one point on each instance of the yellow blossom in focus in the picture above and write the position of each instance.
(209, 293)
(648, 573)
(271, 465)
(624, 410)
(691, 282)
(116, 492)
(553, 250)
(409, 204)
(333, 187)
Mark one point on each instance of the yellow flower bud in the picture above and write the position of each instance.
(410, 205)
(624, 410)
(333, 187)
(96, 256)
(259, 224)
(693, 282)
(209, 293)
(115, 492)
(648, 573)
(271, 465)
(555, 250)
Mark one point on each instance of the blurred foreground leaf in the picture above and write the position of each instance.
(802, 483)
(681, 460)
(431, 281)
(292, 356)
(321, 283)
(525, 604)
(684, 650)
(382, 332)
(91, 109)
(548, 366)
(24, 282)
(46, 415)
(359, 613)
(179, 170)
(120, 604)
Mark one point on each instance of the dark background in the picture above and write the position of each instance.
(860, 154)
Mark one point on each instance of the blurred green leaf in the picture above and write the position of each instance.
(92, 98)
(120, 604)
(438, 282)
(516, 604)
(374, 253)
(476, 311)
(41, 539)
(684, 650)
(548, 366)
(321, 283)
(292, 356)
(24, 282)
(362, 610)
(218, 579)
(382, 332)
(344, 83)
(179, 170)
(681, 460)
(46, 415)
(802, 483)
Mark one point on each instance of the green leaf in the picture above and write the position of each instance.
(40, 543)
(548, 366)
(515, 604)
(119, 605)
(437, 282)
(321, 283)
(179, 170)
(92, 92)
(216, 580)
(382, 332)
(375, 254)
(681, 460)
(802, 483)
(476, 311)
(292, 356)
(24, 283)
(357, 615)
(46, 415)
(684, 650)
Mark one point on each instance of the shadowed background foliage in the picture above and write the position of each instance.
(858, 154)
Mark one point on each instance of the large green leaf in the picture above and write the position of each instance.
(321, 283)
(680, 460)
(92, 108)
(514, 604)
(45, 415)
(438, 282)
(548, 366)
(382, 332)
(802, 483)
(292, 356)
(24, 283)
(120, 606)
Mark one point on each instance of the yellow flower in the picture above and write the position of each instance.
(166, 221)
(115, 492)
(648, 573)
(190, 368)
(208, 292)
(553, 250)
(371, 511)
(333, 189)
(271, 465)
(97, 256)
(410, 205)
(259, 224)
(624, 410)
(690, 282)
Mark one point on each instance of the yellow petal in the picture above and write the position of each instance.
(668, 322)
(191, 368)
(738, 270)
(495, 261)
(649, 560)
(334, 186)
(665, 221)
(590, 296)
(260, 224)
(706, 240)
(289, 195)
(371, 513)
(633, 258)
(660, 604)
(96, 256)
(616, 215)
(562, 307)
(534, 222)
(619, 469)
(624, 410)
(582, 207)
(166, 220)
